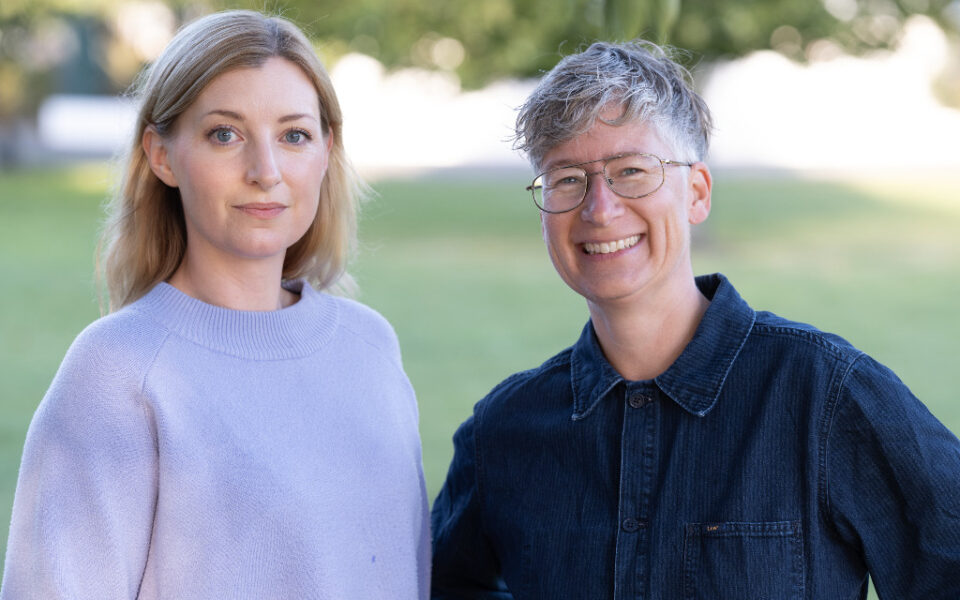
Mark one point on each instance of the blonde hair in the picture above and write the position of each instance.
(144, 237)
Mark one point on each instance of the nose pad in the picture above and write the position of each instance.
(601, 205)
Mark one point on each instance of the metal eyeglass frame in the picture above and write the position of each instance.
(606, 178)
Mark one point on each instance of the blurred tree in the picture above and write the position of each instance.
(484, 39)
(66, 46)
(488, 39)
(85, 44)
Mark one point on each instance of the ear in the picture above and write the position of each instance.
(699, 187)
(155, 147)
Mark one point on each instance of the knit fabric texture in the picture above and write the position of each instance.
(188, 451)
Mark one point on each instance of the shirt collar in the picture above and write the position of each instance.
(695, 379)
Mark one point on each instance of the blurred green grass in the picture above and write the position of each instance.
(456, 263)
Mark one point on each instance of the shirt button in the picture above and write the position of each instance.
(638, 400)
(630, 524)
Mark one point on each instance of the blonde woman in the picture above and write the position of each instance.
(230, 430)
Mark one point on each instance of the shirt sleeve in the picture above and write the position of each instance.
(86, 492)
(465, 565)
(893, 485)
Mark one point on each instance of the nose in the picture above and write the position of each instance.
(263, 170)
(600, 205)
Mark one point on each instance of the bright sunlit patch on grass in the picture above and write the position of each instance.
(90, 178)
(936, 190)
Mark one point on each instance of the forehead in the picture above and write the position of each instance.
(277, 85)
(603, 140)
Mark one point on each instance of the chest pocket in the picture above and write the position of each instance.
(746, 561)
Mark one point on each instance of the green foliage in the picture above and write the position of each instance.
(525, 37)
(481, 41)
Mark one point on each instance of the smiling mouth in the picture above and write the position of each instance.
(608, 247)
(263, 211)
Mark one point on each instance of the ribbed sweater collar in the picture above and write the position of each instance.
(298, 330)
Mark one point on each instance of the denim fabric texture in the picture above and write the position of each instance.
(771, 461)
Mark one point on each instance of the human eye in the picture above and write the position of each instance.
(222, 135)
(297, 137)
(565, 178)
(631, 172)
(631, 167)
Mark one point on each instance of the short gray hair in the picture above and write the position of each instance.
(640, 77)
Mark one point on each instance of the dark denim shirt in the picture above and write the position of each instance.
(770, 461)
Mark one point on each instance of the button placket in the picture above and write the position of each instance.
(637, 468)
(638, 400)
(631, 525)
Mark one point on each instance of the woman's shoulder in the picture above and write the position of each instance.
(118, 345)
(100, 381)
(361, 315)
(365, 323)
(127, 328)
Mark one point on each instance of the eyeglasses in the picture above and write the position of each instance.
(628, 175)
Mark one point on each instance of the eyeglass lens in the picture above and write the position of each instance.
(629, 176)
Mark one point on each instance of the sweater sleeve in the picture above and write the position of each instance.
(86, 492)
(893, 475)
(464, 562)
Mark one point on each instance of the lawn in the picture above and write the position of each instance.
(455, 262)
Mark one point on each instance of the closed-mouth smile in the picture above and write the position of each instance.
(263, 210)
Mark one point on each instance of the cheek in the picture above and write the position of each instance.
(556, 236)
(669, 211)
(550, 228)
(677, 232)
(198, 176)
(308, 176)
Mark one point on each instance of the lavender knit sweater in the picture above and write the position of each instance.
(187, 451)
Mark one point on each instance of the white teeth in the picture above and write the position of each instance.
(608, 247)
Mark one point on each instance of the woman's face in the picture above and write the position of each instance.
(248, 157)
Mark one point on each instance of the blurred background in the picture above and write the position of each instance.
(432, 83)
(835, 158)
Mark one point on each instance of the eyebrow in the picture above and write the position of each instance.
(555, 164)
(238, 117)
(566, 162)
(569, 162)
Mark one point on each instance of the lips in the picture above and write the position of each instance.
(609, 247)
(262, 210)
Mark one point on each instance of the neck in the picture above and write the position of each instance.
(245, 285)
(642, 338)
